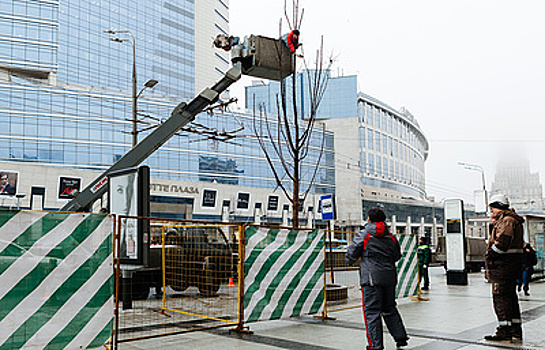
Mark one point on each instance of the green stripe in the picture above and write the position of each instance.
(27, 239)
(407, 258)
(72, 329)
(317, 305)
(104, 336)
(267, 265)
(6, 215)
(57, 299)
(259, 248)
(250, 231)
(78, 235)
(308, 289)
(277, 313)
(49, 263)
(273, 286)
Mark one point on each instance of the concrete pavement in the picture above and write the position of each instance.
(455, 317)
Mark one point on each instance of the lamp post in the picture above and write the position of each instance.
(150, 83)
(480, 169)
(476, 168)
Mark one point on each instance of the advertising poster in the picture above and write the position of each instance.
(243, 201)
(209, 198)
(68, 187)
(8, 182)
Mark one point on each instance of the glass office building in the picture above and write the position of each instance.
(65, 91)
(392, 148)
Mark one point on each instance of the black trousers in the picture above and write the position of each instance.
(506, 303)
(379, 302)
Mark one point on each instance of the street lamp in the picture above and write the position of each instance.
(150, 83)
(480, 169)
(476, 168)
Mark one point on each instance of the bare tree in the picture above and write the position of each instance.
(283, 135)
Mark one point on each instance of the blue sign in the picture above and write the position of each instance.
(328, 212)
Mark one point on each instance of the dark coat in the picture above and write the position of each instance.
(424, 254)
(379, 250)
(504, 252)
(9, 190)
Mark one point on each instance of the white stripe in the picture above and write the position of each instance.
(282, 287)
(34, 256)
(277, 268)
(93, 328)
(254, 240)
(263, 256)
(409, 267)
(17, 225)
(302, 285)
(53, 281)
(312, 297)
(72, 306)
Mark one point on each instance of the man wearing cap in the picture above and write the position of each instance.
(503, 267)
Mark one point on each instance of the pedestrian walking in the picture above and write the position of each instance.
(529, 260)
(503, 267)
(424, 260)
(379, 250)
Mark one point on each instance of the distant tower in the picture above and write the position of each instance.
(523, 188)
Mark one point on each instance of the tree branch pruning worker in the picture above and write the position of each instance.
(424, 260)
(292, 40)
(504, 266)
(378, 250)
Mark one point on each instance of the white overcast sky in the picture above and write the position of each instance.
(471, 71)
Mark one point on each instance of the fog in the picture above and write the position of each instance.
(471, 72)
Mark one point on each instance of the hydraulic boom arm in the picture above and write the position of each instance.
(181, 115)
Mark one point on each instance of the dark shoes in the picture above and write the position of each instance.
(425, 288)
(503, 333)
(516, 333)
(498, 337)
(526, 293)
(401, 343)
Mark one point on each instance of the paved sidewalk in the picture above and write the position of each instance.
(455, 317)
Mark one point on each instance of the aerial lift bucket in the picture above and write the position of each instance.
(263, 57)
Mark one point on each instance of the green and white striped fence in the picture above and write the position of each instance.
(283, 273)
(55, 280)
(407, 277)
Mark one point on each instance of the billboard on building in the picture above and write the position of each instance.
(68, 187)
(8, 182)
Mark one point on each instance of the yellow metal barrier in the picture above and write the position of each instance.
(191, 281)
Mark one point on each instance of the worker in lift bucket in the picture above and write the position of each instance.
(292, 40)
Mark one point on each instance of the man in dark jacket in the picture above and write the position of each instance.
(379, 250)
(424, 260)
(504, 266)
(529, 260)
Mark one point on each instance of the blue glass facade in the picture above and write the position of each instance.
(65, 91)
(339, 99)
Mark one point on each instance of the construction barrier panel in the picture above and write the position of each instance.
(55, 280)
(343, 282)
(283, 273)
(191, 282)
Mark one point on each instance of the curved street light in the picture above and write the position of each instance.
(150, 83)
